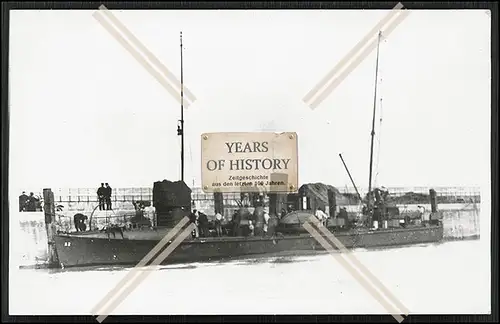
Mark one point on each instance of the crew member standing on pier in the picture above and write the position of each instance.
(107, 196)
(100, 196)
(23, 200)
(32, 203)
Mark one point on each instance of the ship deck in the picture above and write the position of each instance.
(161, 232)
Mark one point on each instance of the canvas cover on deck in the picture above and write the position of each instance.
(317, 194)
(318, 190)
(296, 218)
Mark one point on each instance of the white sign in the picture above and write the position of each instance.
(249, 162)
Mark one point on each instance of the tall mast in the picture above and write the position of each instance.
(180, 129)
(373, 129)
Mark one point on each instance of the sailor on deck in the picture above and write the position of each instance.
(321, 216)
(424, 217)
(218, 224)
(266, 223)
(193, 217)
(202, 224)
(251, 228)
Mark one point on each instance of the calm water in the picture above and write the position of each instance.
(452, 277)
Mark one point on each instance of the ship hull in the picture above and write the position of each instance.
(97, 249)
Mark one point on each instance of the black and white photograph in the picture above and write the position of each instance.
(244, 162)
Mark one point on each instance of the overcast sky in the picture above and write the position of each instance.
(83, 111)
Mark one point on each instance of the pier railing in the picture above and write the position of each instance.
(347, 196)
(420, 195)
(90, 195)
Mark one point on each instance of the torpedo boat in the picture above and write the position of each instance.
(377, 224)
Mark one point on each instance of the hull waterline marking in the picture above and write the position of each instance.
(168, 80)
(319, 93)
(135, 276)
(369, 286)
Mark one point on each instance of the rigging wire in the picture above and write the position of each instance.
(380, 82)
(379, 143)
(191, 161)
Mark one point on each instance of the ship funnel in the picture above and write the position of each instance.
(172, 201)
